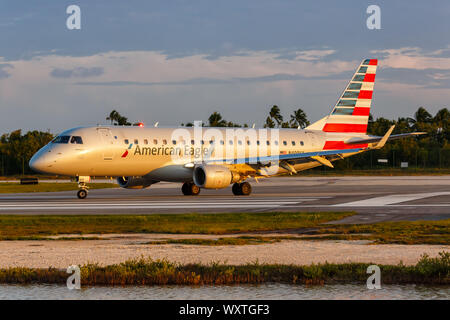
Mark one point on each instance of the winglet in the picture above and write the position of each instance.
(385, 138)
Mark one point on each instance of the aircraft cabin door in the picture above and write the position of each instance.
(107, 142)
(312, 139)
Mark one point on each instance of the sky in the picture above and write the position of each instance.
(174, 62)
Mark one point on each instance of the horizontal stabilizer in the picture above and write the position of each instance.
(375, 139)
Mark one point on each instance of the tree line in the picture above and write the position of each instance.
(274, 120)
(428, 151)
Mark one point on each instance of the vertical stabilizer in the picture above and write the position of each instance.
(351, 112)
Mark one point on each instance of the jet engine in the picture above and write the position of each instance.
(135, 182)
(214, 176)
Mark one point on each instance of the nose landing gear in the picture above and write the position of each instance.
(83, 192)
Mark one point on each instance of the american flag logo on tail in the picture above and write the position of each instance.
(351, 112)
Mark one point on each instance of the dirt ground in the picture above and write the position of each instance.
(118, 248)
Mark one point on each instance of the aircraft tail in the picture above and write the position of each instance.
(351, 112)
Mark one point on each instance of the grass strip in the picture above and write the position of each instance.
(220, 223)
(162, 272)
(309, 224)
(396, 232)
(11, 187)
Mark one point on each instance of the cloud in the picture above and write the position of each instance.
(78, 72)
(151, 85)
(214, 81)
(416, 66)
(4, 73)
(414, 58)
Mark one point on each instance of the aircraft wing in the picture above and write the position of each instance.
(292, 156)
(287, 161)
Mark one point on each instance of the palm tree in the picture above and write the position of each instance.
(298, 118)
(269, 123)
(422, 115)
(123, 121)
(421, 118)
(442, 117)
(113, 116)
(216, 120)
(276, 115)
(117, 119)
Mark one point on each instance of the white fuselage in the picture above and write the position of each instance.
(164, 154)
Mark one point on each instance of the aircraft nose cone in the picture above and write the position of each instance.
(38, 163)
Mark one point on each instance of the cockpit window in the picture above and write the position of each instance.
(76, 139)
(61, 139)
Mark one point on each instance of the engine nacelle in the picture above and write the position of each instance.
(214, 176)
(135, 182)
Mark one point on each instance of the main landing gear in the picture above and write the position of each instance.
(82, 184)
(190, 189)
(242, 189)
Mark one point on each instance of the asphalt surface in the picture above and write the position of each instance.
(373, 198)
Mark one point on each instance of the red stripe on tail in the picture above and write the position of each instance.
(365, 94)
(343, 127)
(369, 77)
(361, 111)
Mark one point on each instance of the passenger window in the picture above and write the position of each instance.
(301, 143)
(276, 142)
(285, 143)
(126, 141)
(155, 141)
(145, 141)
(240, 142)
(76, 139)
(211, 141)
(221, 142)
(192, 142)
(202, 142)
(293, 143)
(257, 142)
(164, 141)
(230, 142)
(248, 142)
(174, 141)
(268, 142)
(136, 141)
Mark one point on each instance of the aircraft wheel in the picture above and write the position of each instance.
(190, 189)
(82, 194)
(246, 188)
(186, 189)
(236, 189)
(195, 190)
(242, 189)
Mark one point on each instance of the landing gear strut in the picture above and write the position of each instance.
(242, 189)
(83, 192)
(190, 189)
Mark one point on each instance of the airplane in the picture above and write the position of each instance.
(215, 158)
